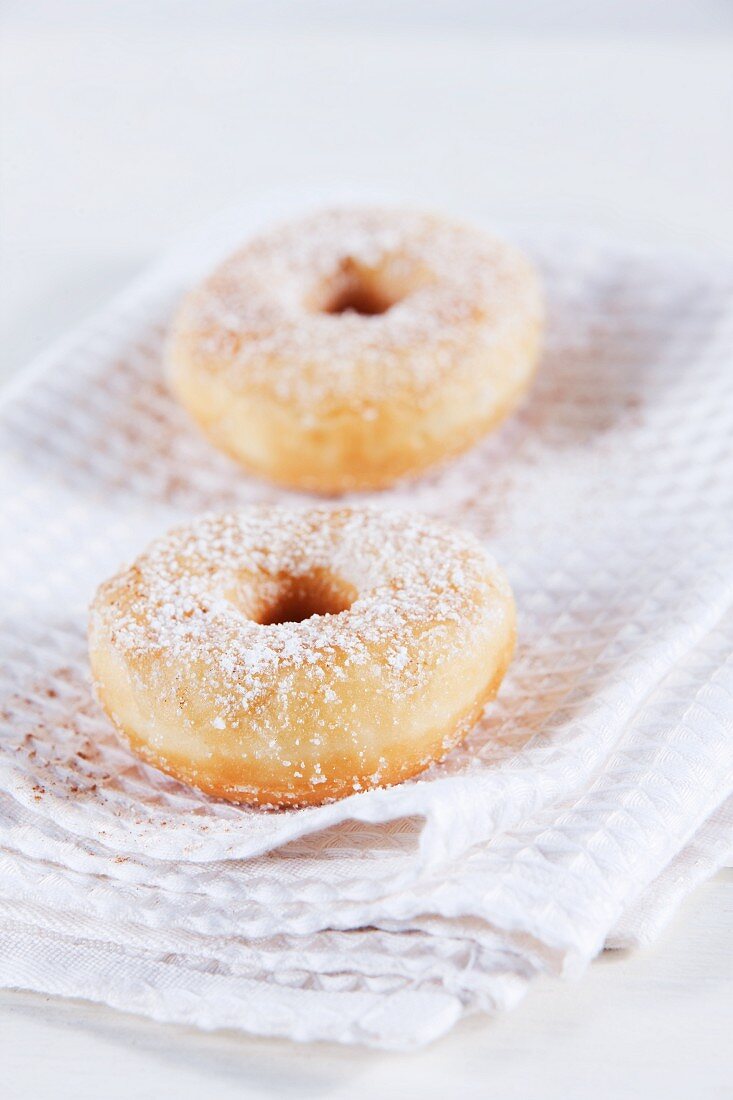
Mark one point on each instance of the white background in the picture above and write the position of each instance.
(125, 124)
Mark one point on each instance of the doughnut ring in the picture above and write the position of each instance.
(285, 658)
(356, 347)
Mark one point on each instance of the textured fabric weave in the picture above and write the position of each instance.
(583, 807)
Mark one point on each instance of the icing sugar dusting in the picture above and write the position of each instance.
(203, 597)
(263, 318)
(275, 651)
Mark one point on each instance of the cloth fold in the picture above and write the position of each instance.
(587, 802)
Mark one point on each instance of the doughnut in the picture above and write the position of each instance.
(356, 347)
(292, 657)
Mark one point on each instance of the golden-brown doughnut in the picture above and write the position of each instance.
(289, 657)
(353, 347)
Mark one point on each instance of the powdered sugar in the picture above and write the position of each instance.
(202, 595)
(270, 316)
(287, 628)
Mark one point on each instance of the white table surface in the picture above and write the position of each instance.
(125, 124)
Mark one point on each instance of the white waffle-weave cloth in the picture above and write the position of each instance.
(583, 807)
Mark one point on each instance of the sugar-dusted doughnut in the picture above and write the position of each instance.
(353, 347)
(291, 657)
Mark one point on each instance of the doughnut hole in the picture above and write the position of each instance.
(356, 288)
(293, 599)
(356, 296)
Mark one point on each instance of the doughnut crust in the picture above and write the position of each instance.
(281, 657)
(356, 347)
